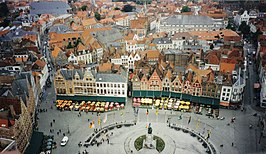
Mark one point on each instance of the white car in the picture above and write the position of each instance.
(64, 141)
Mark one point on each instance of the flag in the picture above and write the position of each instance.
(105, 118)
(99, 120)
(91, 124)
(147, 112)
(209, 133)
(157, 111)
(198, 123)
(189, 119)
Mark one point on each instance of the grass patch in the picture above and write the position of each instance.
(139, 142)
(159, 143)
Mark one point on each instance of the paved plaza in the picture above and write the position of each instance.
(244, 139)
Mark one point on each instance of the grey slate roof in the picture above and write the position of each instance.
(108, 36)
(17, 33)
(69, 74)
(61, 29)
(20, 88)
(162, 40)
(187, 20)
(101, 77)
(53, 7)
(172, 51)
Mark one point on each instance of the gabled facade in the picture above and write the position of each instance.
(167, 81)
(155, 82)
(144, 83)
(177, 84)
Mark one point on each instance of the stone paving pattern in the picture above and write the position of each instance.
(245, 140)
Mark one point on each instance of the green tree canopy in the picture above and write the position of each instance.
(128, 8)
(116, 8)
(244, 29)
(185, 9)
(84, 8)
(97, 16)
(4, 10)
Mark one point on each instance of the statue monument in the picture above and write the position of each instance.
(149, 142)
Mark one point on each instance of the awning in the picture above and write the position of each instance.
(93, 98)
(175, 95)
(186, 97)
(224, 103)
(194, 99)
(165, 94)
(256, 85)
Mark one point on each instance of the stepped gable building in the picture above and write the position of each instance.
(87, 84)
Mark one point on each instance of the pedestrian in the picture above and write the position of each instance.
(232, 144)
(107, 141)
(221, 145)
(45, 110)
(51, 124)
(64, 134)
(59, 130)
(53, 120)
(57, 133)
(50, 131)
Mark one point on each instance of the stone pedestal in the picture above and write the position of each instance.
(149, 143)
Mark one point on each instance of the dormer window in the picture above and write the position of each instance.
(77, 78)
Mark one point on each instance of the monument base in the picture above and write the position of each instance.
(149, 143)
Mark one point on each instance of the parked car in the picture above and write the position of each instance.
(64, 141)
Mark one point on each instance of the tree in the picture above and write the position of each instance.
(4, 10)
(84, 8)
(116, 8)
(231, 25)
(185, 9)
(255, 36)
(97, 16)
(211, 46)
(244, 28)
(128, 8)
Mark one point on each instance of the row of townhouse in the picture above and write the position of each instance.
(228, 87)
(17, 103)
(87, 82)
(127, 60)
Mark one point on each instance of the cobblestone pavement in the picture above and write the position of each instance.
(245, 140)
